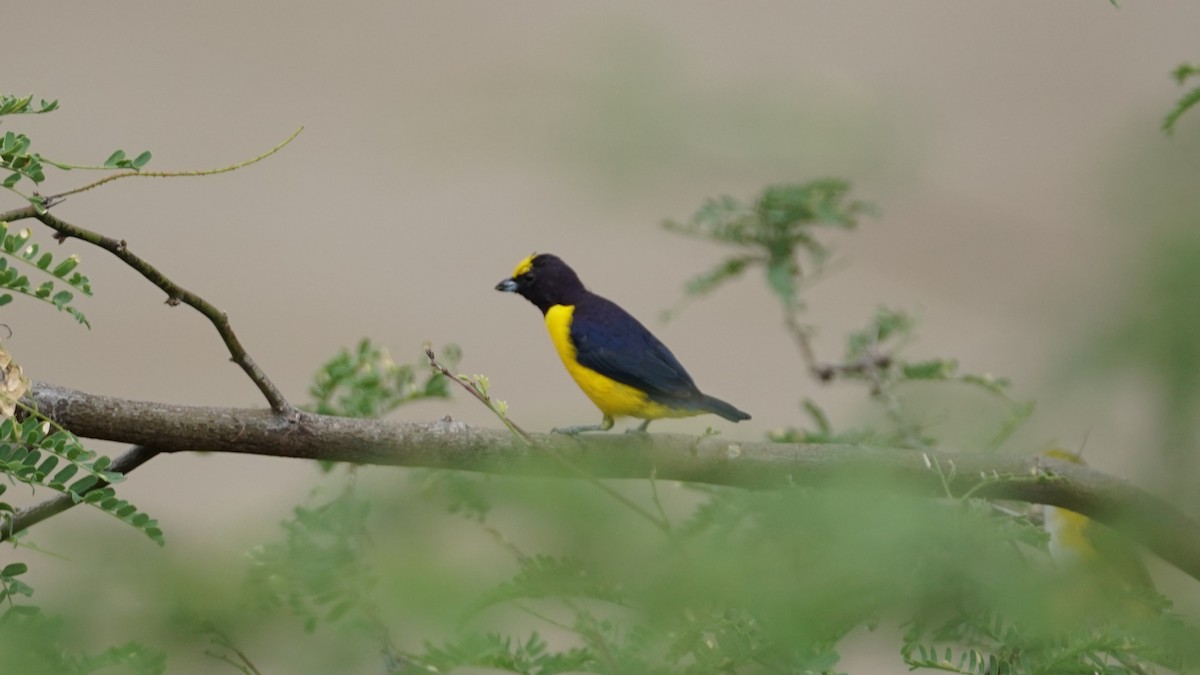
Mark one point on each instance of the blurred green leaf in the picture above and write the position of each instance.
(778, 226)
(1182, 74)
(366, 382)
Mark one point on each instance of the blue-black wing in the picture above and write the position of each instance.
(611, 342)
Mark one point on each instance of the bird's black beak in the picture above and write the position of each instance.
(507, 286)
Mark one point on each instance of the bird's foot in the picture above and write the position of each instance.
(577, 429)
(605, 425)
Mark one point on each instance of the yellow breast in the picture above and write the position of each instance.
(1069, 541)
(611, 397)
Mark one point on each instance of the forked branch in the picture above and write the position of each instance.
(448, 444)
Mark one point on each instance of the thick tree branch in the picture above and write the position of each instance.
(453, 445)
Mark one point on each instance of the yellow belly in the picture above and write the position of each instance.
(611, 397)
(1069, 542)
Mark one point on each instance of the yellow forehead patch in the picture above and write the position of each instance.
(1064, 456)
(524, 266)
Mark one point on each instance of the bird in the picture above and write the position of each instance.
(1079, 544)
(615, 360)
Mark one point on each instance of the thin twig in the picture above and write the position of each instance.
(173, 174)
(587, 629)
(176, 294)
(872, 364)
(826, 372)
(482, 396)
(242, 663)
(935, 465)
(802, 335)
(538, 615)
(654, 496)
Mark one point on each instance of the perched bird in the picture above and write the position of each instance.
(614, 359)
(1081, 545)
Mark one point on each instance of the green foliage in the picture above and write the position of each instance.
(984, 643)
(776, 228)
(14, 105)
(542, 576)
(455, 492)
(741, 582)
(37, 644)
(17, 247)
(117, 160)
(14, 147)
(874, 357)
(23, 164)
(746, 582)
(492, 650)
(1182, 75)
(318, 571)
(35, 452)
(1146, 325)
(11, 586)
(366, 382)
(780, 228)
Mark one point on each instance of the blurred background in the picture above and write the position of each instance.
(1031, 213)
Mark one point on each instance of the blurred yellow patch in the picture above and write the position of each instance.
(13, 384)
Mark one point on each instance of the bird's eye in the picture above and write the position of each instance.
(526, 278)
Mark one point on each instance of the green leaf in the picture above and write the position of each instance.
(115, 159)
(61, 299)
(781, 279)
(67, 473)
(934, 369)
(84, 484)
(726, 270)
(14, 570)
(65, 267)
(1184, 104)
(141, 160)
(818, 416)
(48, 466)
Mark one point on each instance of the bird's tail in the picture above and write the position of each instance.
(718, 407)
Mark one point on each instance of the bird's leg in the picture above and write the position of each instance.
(605, 424)
(641, 428)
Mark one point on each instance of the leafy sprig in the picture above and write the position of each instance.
(778, 227)
(39, 643)
(366, 382)
(319, 571)
(36, 452)
(17, 247)
(1182, 75)
(24, 164)
(530, 656)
